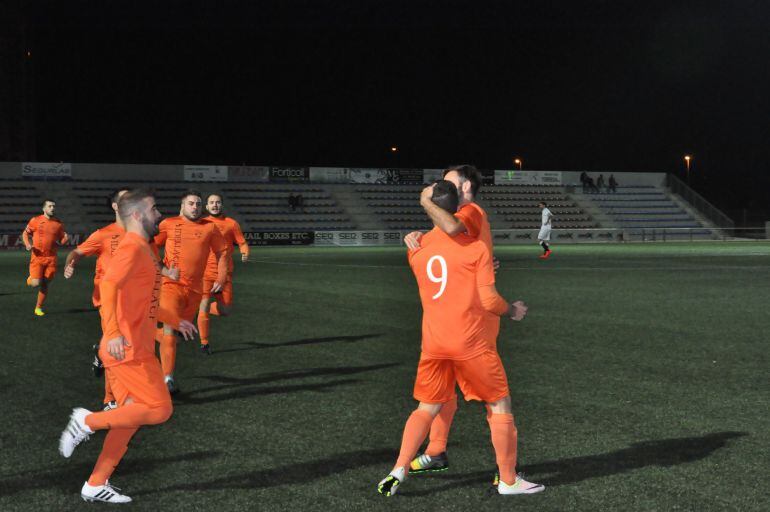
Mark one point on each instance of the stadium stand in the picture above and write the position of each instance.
(648, 207)
(260, 206)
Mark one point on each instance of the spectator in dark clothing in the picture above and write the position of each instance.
(584, 181)
(612, 183)
(600, 183)
(292, 202)
(590, 185)
(300, 201)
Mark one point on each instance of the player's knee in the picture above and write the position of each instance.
(502, 406)
(432, 409)
(33, 282)
(161, 414)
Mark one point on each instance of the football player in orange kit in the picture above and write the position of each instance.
(103, 243)
(41, 237)
(219, 303)
(130, 290)
(471, 220)
(456, 282)
(188, 240)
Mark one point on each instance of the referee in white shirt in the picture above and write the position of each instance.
(545, 230)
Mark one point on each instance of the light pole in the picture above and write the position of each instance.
(517, 162)
(687, 159)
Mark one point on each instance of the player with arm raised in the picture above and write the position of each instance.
(130, 290)
(42, 236)
(187, 240)
(471, 220)
(219, 303)
(456, 283)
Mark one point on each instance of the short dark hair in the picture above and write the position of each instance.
(115, 195)
(543, 203)
(215, 194)
(445, 196)
(191, 192)
(468, 172)
(128, 201)
(47, 200)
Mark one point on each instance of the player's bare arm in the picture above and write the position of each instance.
(25, 238)
(445, 221)
(412, 240)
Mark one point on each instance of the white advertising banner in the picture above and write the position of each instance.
(528, 177)
(357, 238)
(329, 175)
(45, 170)
(205, 173)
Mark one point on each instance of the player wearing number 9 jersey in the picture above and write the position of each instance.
(456, 281)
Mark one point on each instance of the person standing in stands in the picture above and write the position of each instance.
(612, 184)
(600, 183)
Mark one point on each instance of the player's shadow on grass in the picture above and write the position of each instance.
(290, 474)
(230, 388)
(68, 477)
(664, 452)
(255, 345)
(73, 311)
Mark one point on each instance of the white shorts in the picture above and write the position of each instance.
(545, 233)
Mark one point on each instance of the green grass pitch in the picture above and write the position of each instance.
(639, 383)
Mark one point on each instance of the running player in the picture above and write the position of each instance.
(456, 282)
(41, 237)
(103, 243)
(130, 290)
(471, 220)
(219, 303)
(544, 236)
(188, 240)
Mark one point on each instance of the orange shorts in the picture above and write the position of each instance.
(180, 300)
(42, 267)
(480, 378)
(140, 380)
(225, 296)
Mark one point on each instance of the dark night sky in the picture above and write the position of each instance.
(565, 85)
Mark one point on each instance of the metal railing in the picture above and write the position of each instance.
(706, 209)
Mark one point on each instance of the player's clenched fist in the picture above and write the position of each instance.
(518, 311)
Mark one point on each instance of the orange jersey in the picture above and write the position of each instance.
(476, 223)
(188, 244)
(231, 232)
(477, 226)
(45, 233)
(102, 243)
(449, 272)
(130, 291)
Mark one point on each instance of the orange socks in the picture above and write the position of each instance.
(41, 296)
(439, 429)
(415, 431)
(168, 353)
(203, 326)
(129, 416)
(115, 446)
(505, 440)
